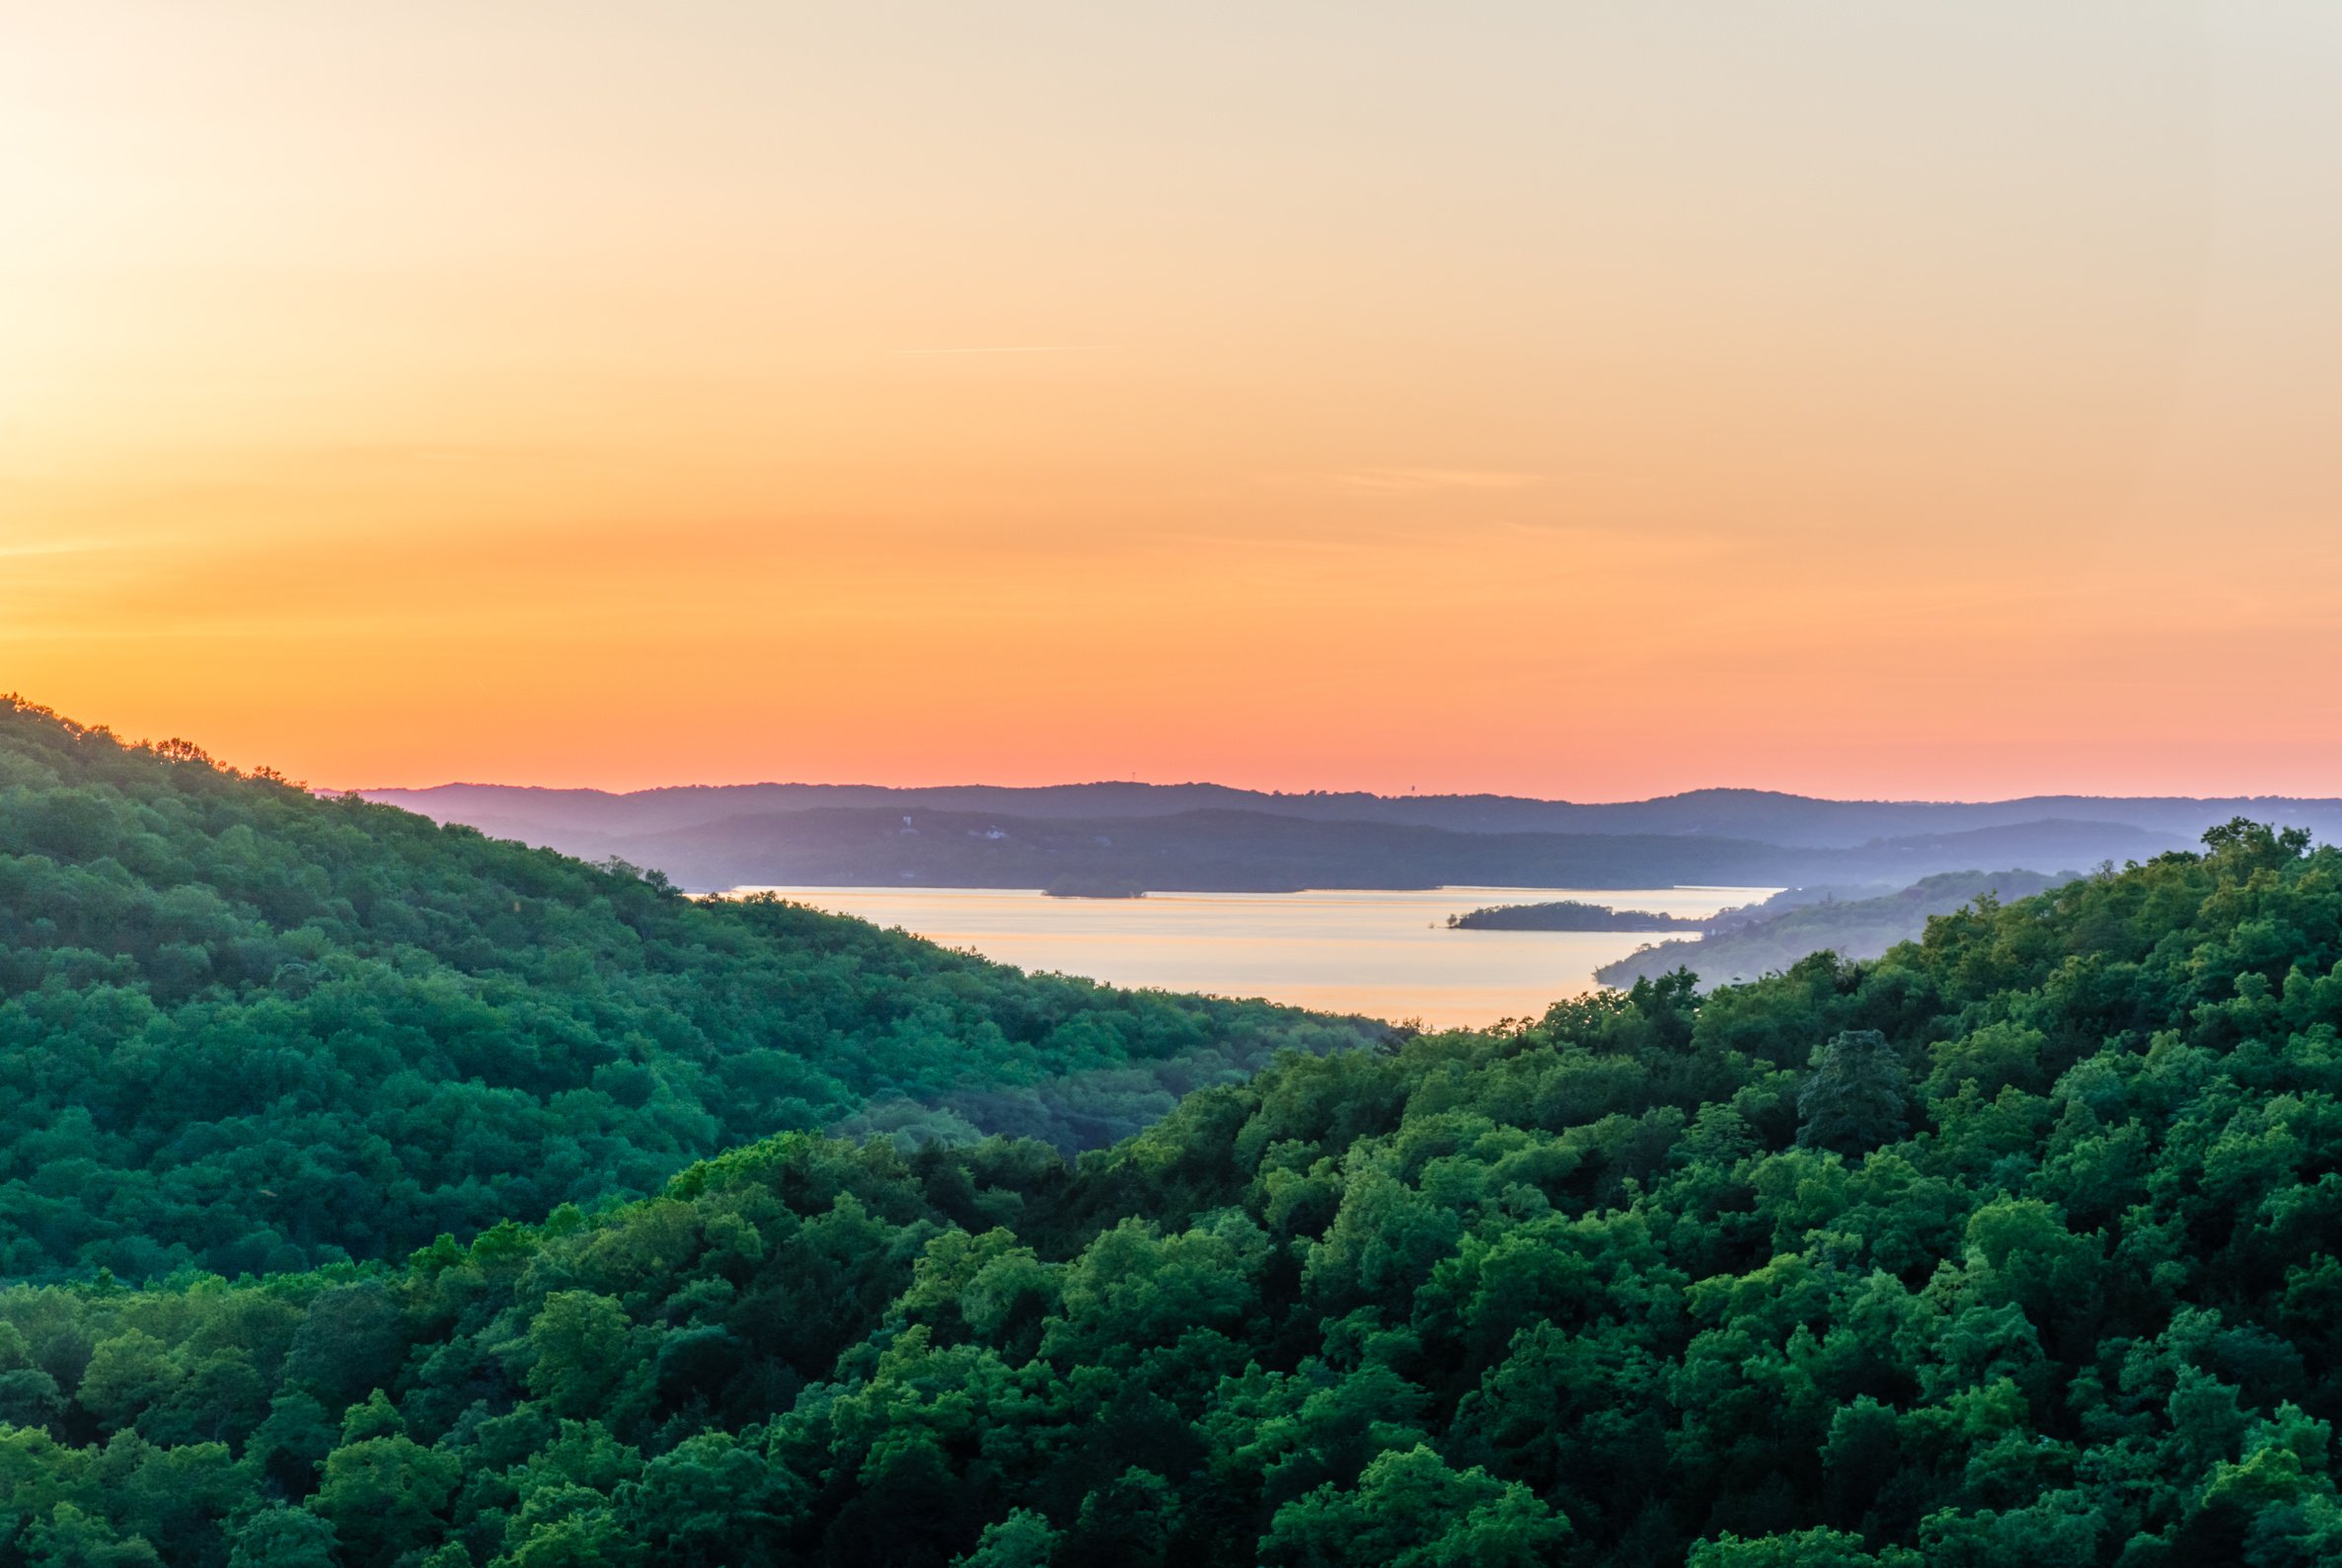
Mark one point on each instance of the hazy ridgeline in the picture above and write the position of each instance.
(1209, 838)
(1752, 815)
(1743, 943)
(2013, 1245)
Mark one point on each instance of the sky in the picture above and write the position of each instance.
(1558, 399)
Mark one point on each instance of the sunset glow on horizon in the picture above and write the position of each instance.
(1582, 403)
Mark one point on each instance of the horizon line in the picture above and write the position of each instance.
(1370, 795)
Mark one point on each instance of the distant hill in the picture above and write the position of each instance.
(1769, 939)
(1192, 850)
(245, 1027)
(597, 820)
(1208, 838)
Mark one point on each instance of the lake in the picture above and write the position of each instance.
(1384, 953)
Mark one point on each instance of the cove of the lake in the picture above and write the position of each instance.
(1389, 954)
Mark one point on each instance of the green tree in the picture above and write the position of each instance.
(384, 1496)
(1130, 1521)
(708, 1503)
(1854, 1098)
(1409, 1510)
(72, 1538)
(579, 1341)
(1024, 1539)
(285, 1537)
(1804, 1548)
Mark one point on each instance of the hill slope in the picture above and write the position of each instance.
(1761, 941)
(1193, 850)
(251, 1029)
(2014, 1246)
(600, 822)
(1268, 851)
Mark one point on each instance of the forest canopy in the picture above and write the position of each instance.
(2014, 1245)
(253, 1029)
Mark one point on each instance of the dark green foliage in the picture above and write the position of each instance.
(251, 1029)
(1573, 1293)
(1855, 1097)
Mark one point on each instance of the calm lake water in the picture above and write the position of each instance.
(1387, 954)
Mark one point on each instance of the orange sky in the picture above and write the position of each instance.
(1574, 400)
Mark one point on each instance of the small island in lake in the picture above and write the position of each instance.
(1092, 887)
(1567, 915)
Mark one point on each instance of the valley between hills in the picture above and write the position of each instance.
(386, 1194)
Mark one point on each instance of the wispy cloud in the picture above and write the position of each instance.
(1431, 478)
(53, 547)
(1010, 349)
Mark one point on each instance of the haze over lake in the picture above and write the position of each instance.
(1389, 954)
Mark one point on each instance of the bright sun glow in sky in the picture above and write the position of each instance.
(1558, 399)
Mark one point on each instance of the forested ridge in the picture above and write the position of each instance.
(604, 821)
(2012, 1246)
(248, 1028)
(1268, 850)
(1743, 943)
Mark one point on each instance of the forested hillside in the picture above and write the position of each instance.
(248, 1028)
(2014, 1246)
(1741, 944)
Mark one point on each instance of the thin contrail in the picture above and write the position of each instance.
(1032, 349)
